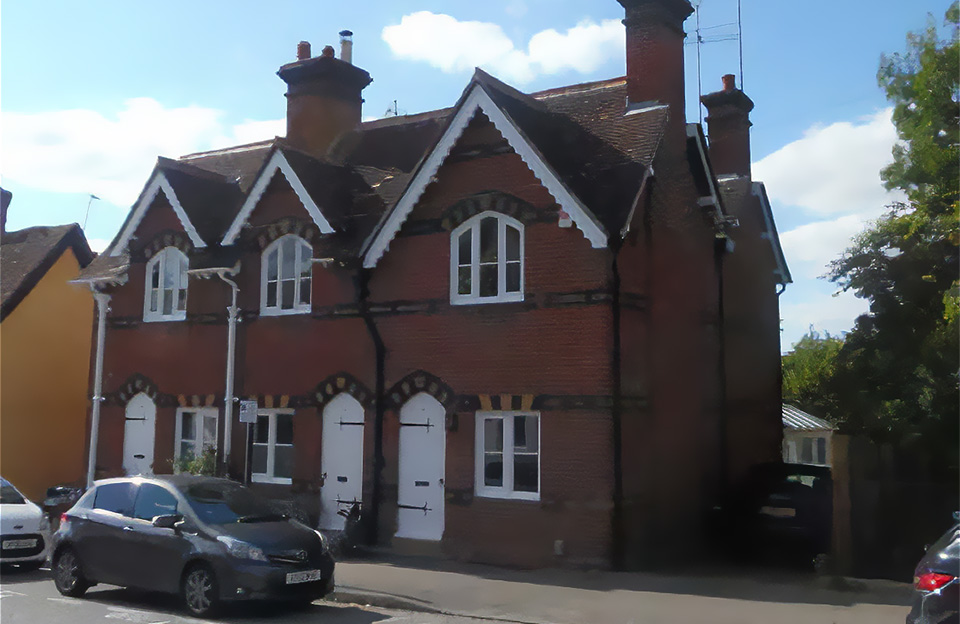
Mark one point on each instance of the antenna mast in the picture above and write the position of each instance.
(740, 41)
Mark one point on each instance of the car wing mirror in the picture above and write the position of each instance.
(956, 516)
(167, 521)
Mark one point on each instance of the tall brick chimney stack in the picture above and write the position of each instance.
(323, 98)
(728, 121)
(655, 53)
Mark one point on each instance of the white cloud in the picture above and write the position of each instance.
(452, 46)
(84, 151)
(810, 247)
(833, 170)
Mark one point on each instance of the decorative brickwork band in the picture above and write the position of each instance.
(417, 382)
(281, 401)
(136, 384)
(553, 402)
(342, 382)
(487, 200)
(162, 240)
(304, 228)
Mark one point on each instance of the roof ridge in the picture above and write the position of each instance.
(607, 83)
(243, 147)
(399, 120)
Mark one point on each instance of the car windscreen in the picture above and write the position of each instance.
(220, 503)
(9, 494)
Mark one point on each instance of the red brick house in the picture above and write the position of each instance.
(534, 329)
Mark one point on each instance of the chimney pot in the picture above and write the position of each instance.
(303, 50)
(729, 82)
(346, 46)
(327, 52)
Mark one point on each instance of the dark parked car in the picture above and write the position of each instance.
(936, 598)
(210, 540)
(779, 510)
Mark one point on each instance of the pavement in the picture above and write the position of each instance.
(553, 596)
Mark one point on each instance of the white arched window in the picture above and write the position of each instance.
(165, 298)
(285, 276)
(486, 260)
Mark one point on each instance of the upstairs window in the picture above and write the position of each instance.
(165, 298)
(486, 260)
(285, 277)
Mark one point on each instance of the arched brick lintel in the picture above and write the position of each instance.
(417, 382)
(339, 383)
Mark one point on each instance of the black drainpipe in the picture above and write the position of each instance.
(619, 534)
(372, 515)
(719, 250)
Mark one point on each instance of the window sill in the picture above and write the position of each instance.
(503, 495)
(464, 300)
(163, 319)
(274, 480)
(279, 312)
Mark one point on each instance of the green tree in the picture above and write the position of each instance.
(808, 371)
(897, 373)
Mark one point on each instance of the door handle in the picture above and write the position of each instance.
(128, 528)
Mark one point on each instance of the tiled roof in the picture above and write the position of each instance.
(582, 132)
(26, 256)
(796, 419)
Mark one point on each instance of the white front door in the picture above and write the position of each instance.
(421, 479)
(138, 434)
(341, 459)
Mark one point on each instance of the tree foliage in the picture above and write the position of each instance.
(807, 374)
(896, 374)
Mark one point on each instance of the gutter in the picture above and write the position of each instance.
(363, 292)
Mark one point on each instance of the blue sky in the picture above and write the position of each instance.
(93, 92)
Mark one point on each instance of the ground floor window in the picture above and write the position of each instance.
(508, 455)
(273, 446)
(196, 431)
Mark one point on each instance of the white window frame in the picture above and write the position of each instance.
(506, 491)
(268, 477)
(473, 224)
(298, 307)
(201, 414)
(161, 258)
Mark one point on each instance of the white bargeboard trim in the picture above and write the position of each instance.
(277, 161)
(478, 100)
(158, 182)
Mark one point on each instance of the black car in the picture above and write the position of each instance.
(209, 540)
(778, 510)
(936, 597)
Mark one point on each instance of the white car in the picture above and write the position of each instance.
(24, 529)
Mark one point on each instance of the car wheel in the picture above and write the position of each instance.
(67, 575)
(200, 591)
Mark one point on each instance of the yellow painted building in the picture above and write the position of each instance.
(46, 327)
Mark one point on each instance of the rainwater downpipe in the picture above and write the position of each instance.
(103, 301)
(228, 399)
(372, 519)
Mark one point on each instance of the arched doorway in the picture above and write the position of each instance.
(420, 513)
(341, 459)
(139, 430)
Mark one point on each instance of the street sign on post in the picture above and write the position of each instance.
(248, 412)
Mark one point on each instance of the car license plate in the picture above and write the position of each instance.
(17, 544)
(304, 577)
(779, 512)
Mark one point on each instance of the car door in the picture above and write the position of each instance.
(159, 552)
(100, 542)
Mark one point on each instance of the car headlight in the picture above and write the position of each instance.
(324, 546)
(241, 550)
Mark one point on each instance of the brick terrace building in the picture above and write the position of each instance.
(531, 329)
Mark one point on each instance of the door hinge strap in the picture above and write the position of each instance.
(342, 423)
(423, 508)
